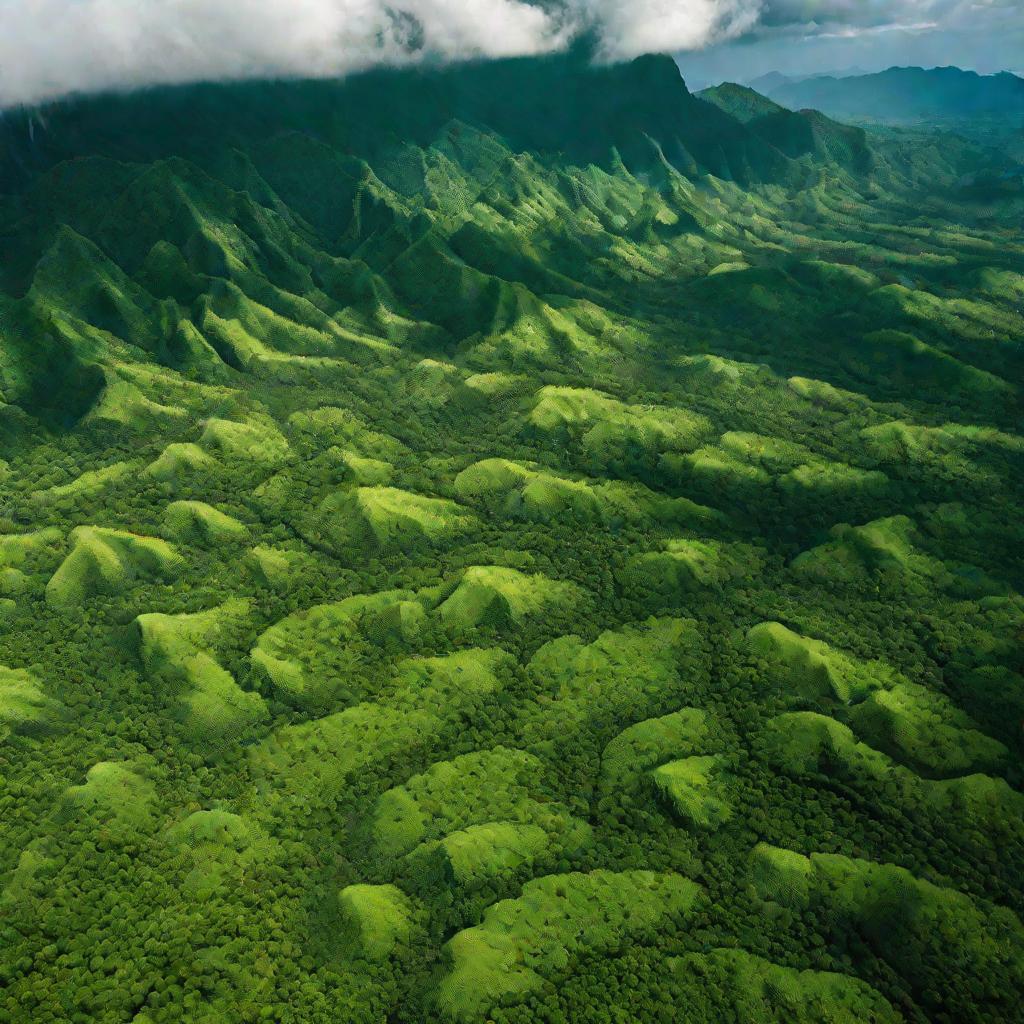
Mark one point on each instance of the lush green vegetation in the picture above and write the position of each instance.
(516, 543)
(987, 108)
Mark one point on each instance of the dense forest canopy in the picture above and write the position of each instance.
(516, 543)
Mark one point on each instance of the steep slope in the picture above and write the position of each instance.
(509, 543)
(560, 104)
(794, 134)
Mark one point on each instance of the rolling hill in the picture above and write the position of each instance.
(514, 542)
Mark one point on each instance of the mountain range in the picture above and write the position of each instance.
(776, 79)
(559, 105)
(515, 543)
(910, 94)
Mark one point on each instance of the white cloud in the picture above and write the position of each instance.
(645, 26)
(50, 48)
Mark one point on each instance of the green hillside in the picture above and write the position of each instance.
(792, 133)
(513, 543)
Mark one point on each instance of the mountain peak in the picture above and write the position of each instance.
(562, 106)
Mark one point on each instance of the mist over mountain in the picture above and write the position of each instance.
(50, 49)
(562, 105)
(559, 104)
(776, 80)
(905, 94)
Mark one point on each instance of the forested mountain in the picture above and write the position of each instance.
(518, 542)
(905, 94)
(774, 80)
(561, 104)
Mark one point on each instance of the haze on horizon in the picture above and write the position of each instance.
(805, 37)
(53, 48)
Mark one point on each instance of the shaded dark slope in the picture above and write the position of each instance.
(559, 105)
(478, 209)
(793, 133)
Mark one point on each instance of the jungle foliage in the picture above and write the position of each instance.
(516, 543)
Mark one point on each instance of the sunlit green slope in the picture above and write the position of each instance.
(519, 543)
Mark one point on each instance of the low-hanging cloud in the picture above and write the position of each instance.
(51, 48)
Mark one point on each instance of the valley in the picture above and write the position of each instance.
(508, 543)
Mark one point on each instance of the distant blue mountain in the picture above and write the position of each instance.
(902, 94)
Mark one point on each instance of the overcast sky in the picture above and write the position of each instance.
(812, 36)
(50, 48)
